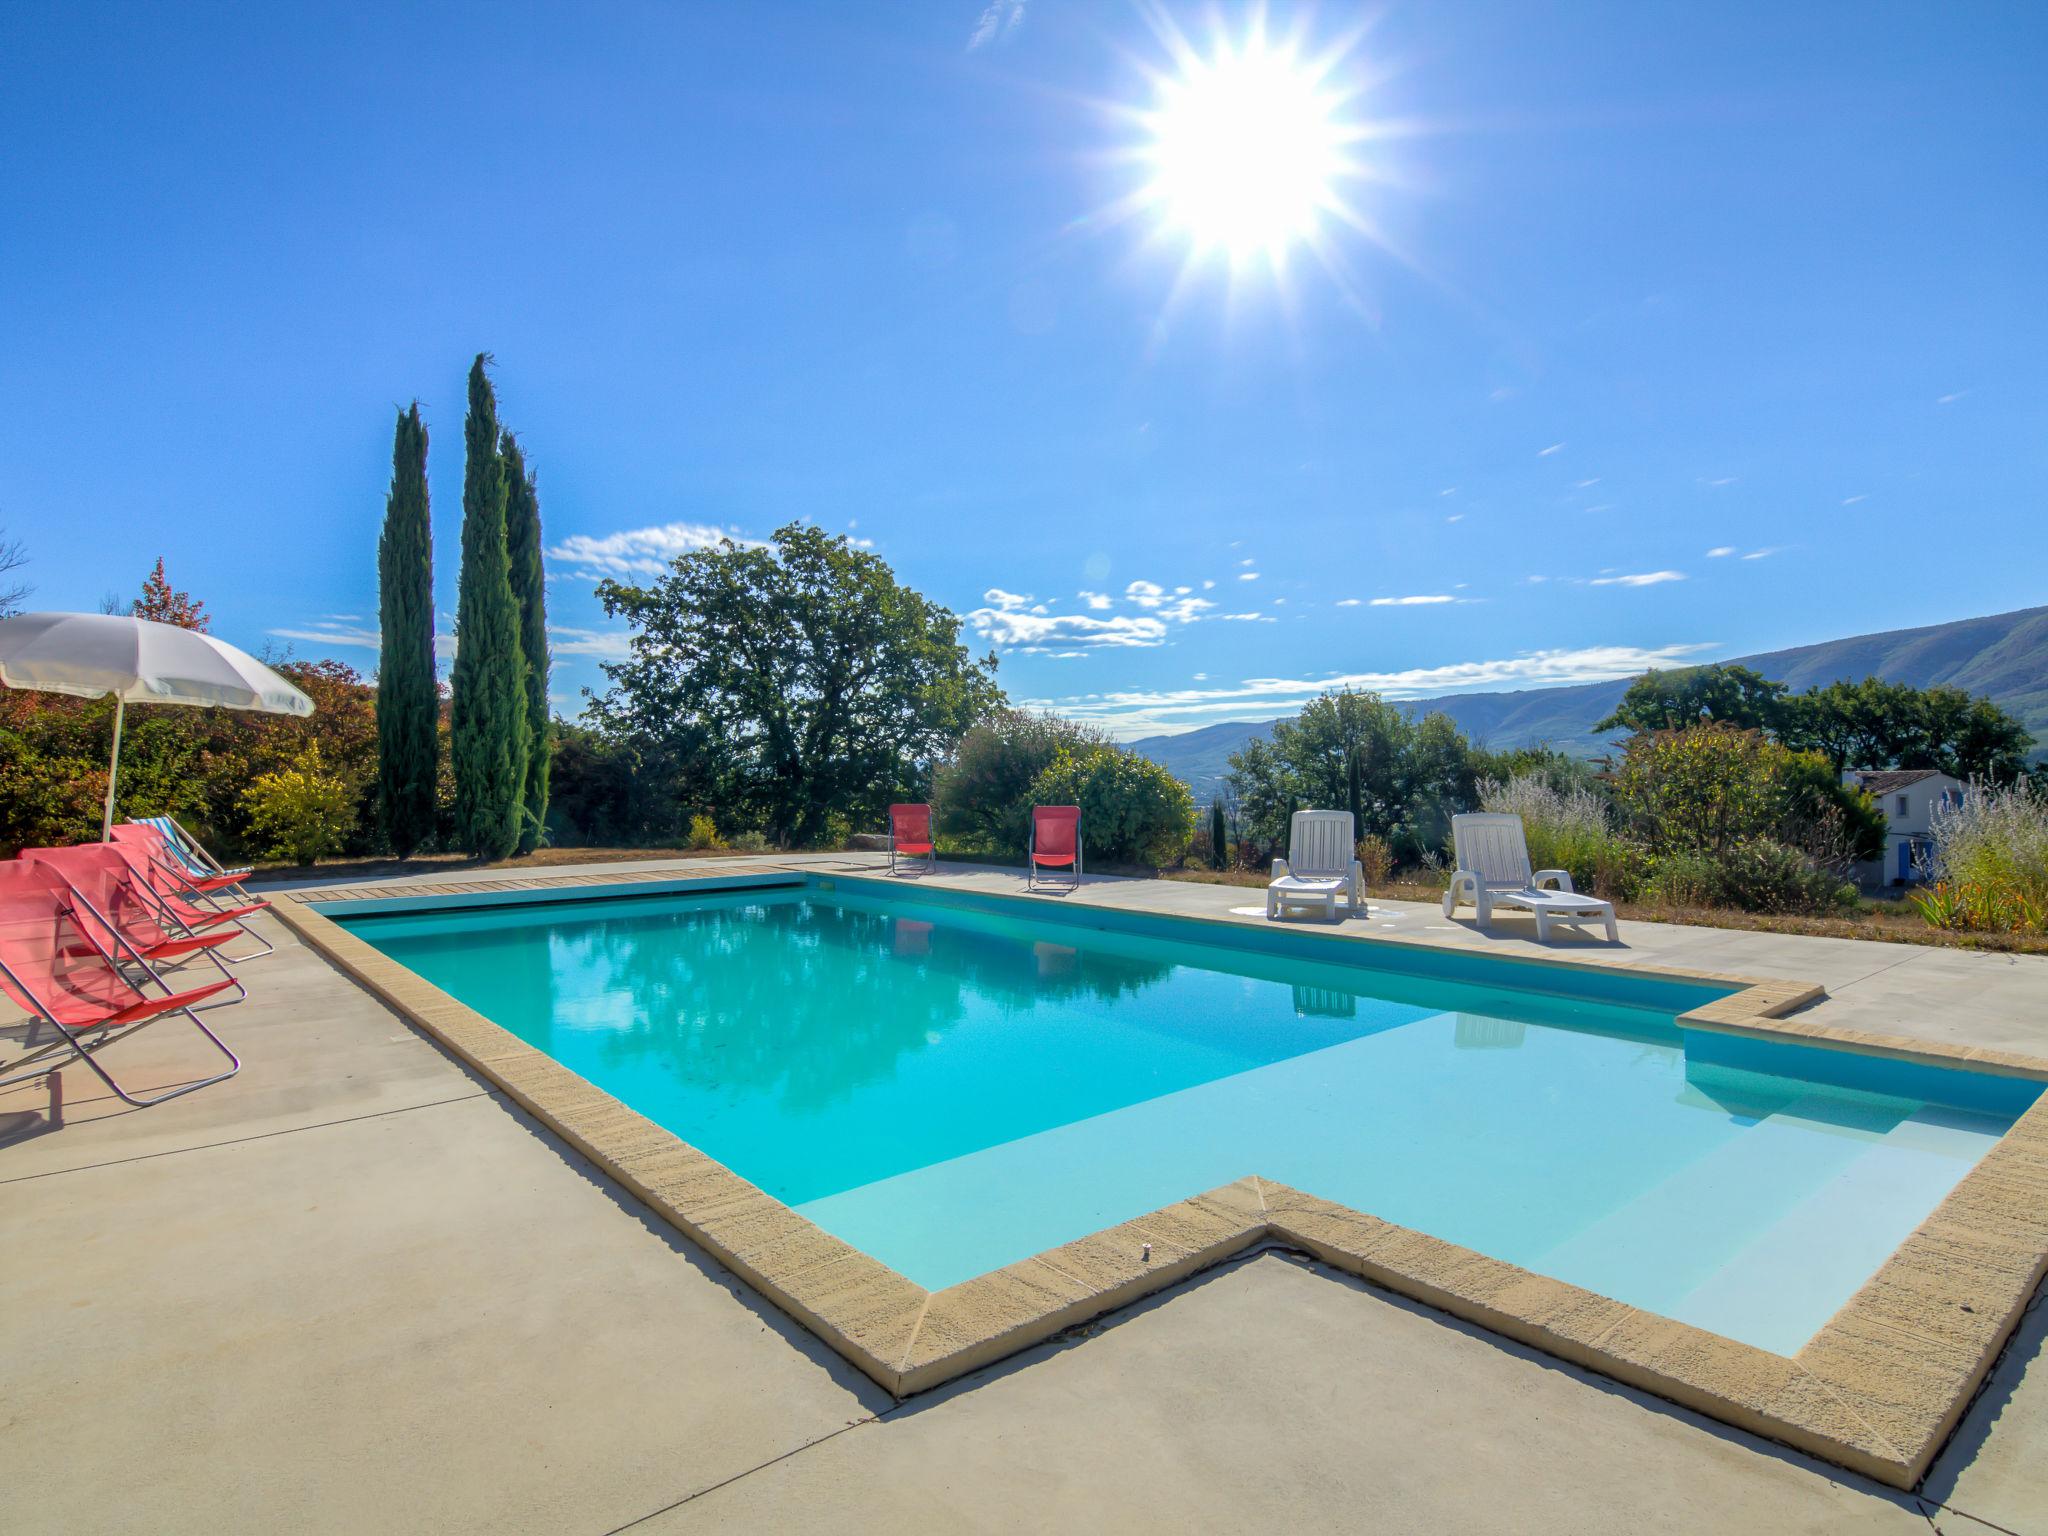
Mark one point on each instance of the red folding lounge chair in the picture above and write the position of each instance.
(177, 893)
(55, 963)
(910, 834)
(110, 893)
(1055, 841)
(156, 846)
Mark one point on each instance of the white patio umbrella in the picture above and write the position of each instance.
(90, 655)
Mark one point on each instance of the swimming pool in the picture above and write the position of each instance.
(952, 1083)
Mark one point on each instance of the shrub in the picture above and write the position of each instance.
(1132, 810)
(982, 795)
(704, 832)
(1375, 860)
(1756, 877)
(1991, 861)
(301, 812)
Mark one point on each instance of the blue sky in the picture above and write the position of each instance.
(1670, 334)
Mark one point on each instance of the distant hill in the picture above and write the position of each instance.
(2003, 657)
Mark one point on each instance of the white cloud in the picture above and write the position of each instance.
(1247, 562)
(1419, 601)
(1642, 579)
(1544, 453)
(1760, 554)
(640, 551)
(1720, 551)
(1724, 480)
(1146, 594)
(334, 632)
(326, 632)
(1247, 575)
(1005, 600)
(999, 19)
(1099, 601)
(1951, 399)
(1136, 713)
(1850, 501)
(1042, 632)
(1580, 485)
(1347, 602)
(1455, 517)
(612, 644)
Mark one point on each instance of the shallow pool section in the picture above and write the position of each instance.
(953, 1083)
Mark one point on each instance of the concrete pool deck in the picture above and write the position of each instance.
(355, 1287)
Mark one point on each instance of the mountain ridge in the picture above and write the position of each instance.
(2002, 656)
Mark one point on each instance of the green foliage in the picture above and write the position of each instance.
(1701, 791)
(1219, 836)
(1828, 816)
(1871, 724)
(1133, 811)
(786, 684)
(704, 832)
(529, 591)
(1411, 776)
(981, 794)
(1759, 876)
(408, 701)
(490, 735)
(190, 763)
(1671, 701)
(301, 812)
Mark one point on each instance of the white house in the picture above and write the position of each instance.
(1908, 797)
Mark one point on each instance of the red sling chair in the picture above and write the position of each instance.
(910, 834)
(1055, 841)
(192, 902)
(113, 895)
(63, 963)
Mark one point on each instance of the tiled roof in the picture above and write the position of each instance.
(1884, 782)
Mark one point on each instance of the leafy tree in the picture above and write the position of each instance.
(1219, 836)
(982, 792)
(408, 700)
(1133, 811)
(1702, 790)
(797, 683)
(529, 590)
(489, 740)
(167, 605)
(1877, 724)
(1670, 701)
(1411, 775)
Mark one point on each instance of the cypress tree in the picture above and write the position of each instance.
(408, 742)
(1354, 789)
(529, 590)
(1219, 836)
(488, 731)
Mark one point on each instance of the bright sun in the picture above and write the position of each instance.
(1246, 151)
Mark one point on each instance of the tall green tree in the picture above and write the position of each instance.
(529, 591)
(1412, 776)
(408, 738)
(1219, 835)
(791, 685)
(1672, 700)
(488, 731)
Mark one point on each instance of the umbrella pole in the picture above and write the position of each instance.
(113, 770)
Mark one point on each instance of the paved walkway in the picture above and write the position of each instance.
(282, 1303)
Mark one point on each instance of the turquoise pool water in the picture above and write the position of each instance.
(951, 1084)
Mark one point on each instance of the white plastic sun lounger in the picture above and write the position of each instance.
(1321, 866)
(1493, 871)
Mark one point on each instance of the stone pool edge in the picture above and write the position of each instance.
(1878, 1389)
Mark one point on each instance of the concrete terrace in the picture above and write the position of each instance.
(356, 1288)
